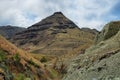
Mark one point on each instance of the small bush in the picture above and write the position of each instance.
(16, 57)
(20, 77)
(63, 69)
(27, 79)
(43, 59)
(33, 63)
(2, 55)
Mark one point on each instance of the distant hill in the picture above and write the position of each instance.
(93, 31)
(54, 35)
(9, 31)
(100, 61)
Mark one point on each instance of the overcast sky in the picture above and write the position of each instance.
(85, 13)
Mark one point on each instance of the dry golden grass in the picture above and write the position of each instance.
(5, 45)
(25, 56)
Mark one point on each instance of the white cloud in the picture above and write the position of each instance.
(86, 13)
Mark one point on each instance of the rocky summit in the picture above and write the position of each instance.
(54, 35)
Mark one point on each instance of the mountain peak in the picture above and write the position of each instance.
(58, 13)
(57, 20)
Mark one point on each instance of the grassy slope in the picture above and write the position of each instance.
(63, 46)
(63, 41)
(37, 69)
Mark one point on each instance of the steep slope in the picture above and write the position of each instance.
(109, 30)
(16, 64)
(54, 35)
(101, 61)
(9, 31)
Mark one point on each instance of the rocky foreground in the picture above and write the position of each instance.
(102, 60)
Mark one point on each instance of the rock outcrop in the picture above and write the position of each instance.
(108, 31)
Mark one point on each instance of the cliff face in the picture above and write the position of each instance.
(101, 61)
(54, 35)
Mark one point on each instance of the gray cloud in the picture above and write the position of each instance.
(85, 13)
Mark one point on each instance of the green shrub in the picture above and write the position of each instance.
(33, 63)
(27, 79)
(43, 59)
(16, 57)
(20, 77)
(2, 55)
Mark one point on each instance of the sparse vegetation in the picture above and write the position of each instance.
(20, 76)
(32, 63)
(43, 59)
(2, 55)
(14, 66)
(16, 57)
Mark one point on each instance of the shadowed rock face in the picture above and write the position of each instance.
(9, 31)
(57, 20)
(108, 31)
(56, 23)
